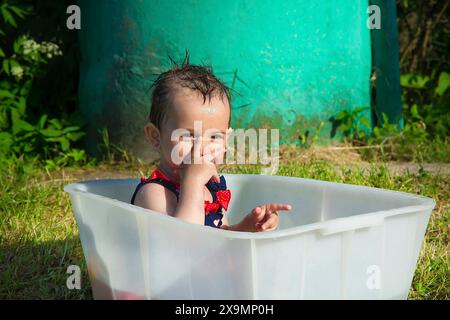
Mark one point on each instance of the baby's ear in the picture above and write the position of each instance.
(152, 134)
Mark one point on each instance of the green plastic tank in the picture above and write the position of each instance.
(294, 63)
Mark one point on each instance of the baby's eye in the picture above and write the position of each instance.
(217, 136)
(187, 136)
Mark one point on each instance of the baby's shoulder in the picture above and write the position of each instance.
(156, 197)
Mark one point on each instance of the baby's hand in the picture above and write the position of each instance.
(190, 206)
(264, 217)
(199, 174)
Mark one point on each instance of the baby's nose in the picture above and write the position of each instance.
(202, 144)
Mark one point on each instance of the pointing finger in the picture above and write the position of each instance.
(278, 206)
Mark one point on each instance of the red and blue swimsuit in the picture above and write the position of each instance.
(213, 210)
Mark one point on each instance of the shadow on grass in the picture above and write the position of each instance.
(38, 270)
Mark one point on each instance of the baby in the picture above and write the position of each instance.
(189, 125)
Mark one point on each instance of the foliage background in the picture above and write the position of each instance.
(45, 98)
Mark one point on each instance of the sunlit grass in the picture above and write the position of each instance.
(39, 237)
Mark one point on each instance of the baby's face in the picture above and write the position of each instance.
(190, 122)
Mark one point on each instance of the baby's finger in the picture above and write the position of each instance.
(258, 213)
(278, 206)
(267, 216)
(213, 170)
(215, 175)
(208, 158)
(271, 223)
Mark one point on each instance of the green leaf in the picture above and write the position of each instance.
(359, 110)
(345, 127)
(443, 83)
(18, 11)
(24, 91)
(56, 123)
(13, 63)
(16, 45)
(74, 136)
(6, 140)
(8, 17)
(365, 122)
(28, 135)
(415, 112)
(2, 53)
(21, 105)
(6, 94)
(414, 81)
(42, 121)
(64, 144)
(50, 165)
(71, 129)
(77, 155)
(6, 66)
(341, 115)
(49, 132)
(376, 131)
(18, 124)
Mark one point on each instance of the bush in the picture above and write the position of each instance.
(24, 131)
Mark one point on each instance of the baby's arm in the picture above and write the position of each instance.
(191, 204)
(156, 197)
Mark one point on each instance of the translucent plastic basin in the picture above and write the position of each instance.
(339, 242)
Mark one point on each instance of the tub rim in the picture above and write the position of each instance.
(326, 227)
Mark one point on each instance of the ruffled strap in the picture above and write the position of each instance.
(222, 194)
(216, 186)
(158, 174)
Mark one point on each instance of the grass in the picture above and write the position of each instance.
(39, 237)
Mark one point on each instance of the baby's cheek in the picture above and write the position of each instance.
(179, 151)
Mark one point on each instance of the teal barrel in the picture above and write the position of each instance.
(294, 63)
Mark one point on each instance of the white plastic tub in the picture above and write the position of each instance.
(339, 242)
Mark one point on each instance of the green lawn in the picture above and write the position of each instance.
(39, 237)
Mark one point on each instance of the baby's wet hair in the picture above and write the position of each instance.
(199, 78)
